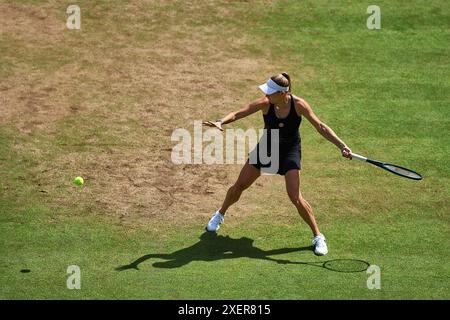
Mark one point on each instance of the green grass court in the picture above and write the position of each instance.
(101, 102)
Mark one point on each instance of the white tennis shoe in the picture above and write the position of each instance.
(320, 245)
(214, 223)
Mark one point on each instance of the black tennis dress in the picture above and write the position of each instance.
(289, 143)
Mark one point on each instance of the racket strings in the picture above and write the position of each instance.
(403, 171)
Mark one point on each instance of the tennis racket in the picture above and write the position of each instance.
(401, 171)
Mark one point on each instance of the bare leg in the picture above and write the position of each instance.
(246, 178)
(303, 207)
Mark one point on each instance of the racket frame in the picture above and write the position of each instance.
(383, 164)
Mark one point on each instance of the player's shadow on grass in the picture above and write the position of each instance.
(213, 247)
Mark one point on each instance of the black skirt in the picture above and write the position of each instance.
(289, 158)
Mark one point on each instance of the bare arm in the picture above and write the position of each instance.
(322, 128)
(245, 111)
(242, 113)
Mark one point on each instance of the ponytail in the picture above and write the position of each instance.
(286, 75)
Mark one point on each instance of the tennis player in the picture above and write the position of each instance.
(282, 111)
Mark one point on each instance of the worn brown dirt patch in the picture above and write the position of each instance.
(28, 21)
(109, 111)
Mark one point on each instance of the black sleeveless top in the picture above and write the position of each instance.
(288, 127)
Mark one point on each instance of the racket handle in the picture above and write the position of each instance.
(358, 156)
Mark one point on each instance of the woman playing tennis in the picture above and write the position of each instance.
(282, 112)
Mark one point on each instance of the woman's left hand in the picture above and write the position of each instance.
(346, 152)
(215, 124)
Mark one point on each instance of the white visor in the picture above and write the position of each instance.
(271, 87)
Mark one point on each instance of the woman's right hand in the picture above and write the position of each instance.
(346, 152)
(216, 124)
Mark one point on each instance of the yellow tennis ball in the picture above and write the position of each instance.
(78, 181)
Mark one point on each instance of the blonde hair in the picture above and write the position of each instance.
(282, 79)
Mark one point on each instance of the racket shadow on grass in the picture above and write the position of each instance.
(213, 247)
